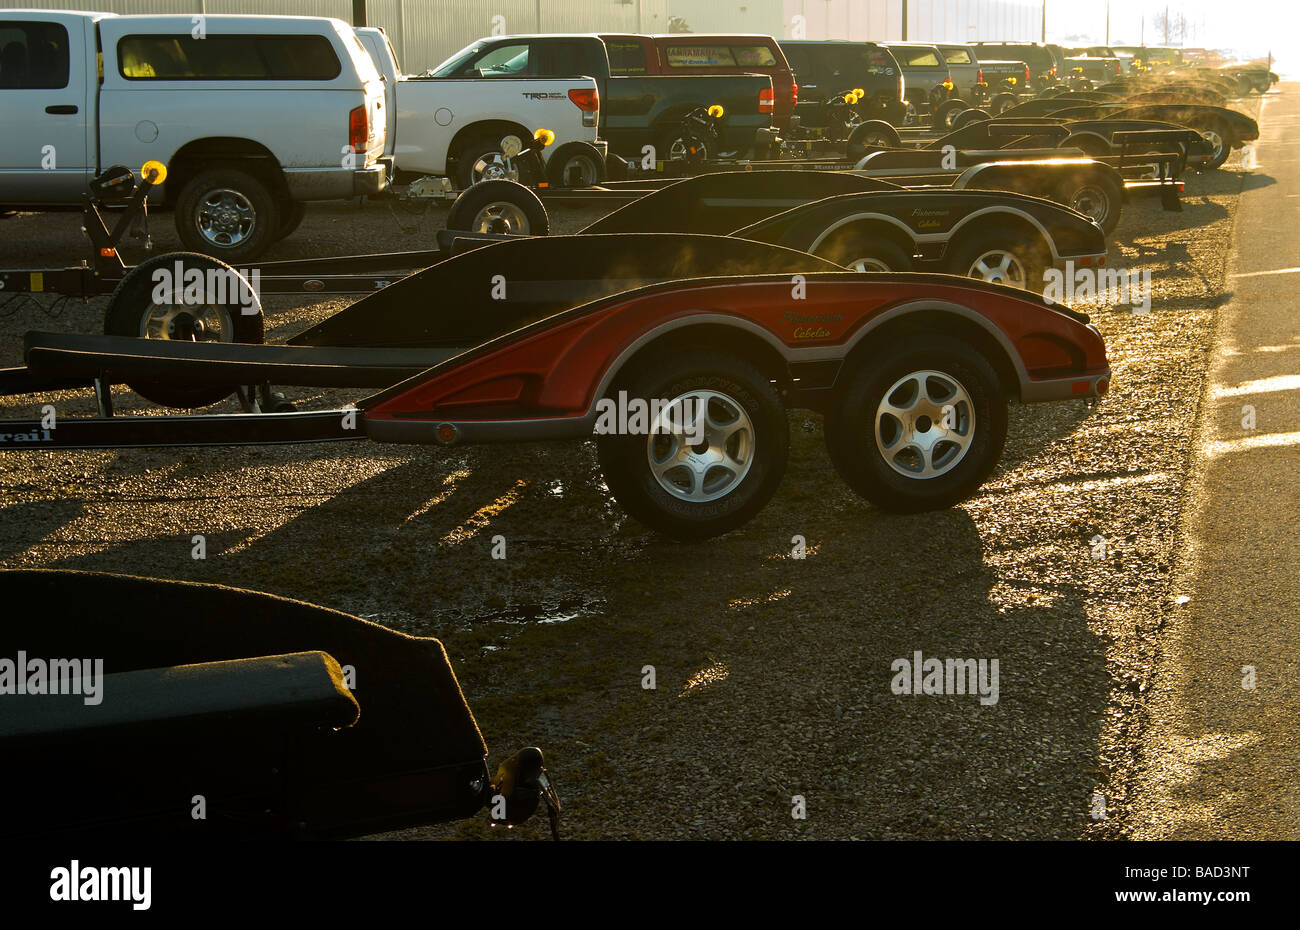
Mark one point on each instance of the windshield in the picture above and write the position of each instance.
(484, 59)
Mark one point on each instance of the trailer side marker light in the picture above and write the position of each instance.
(543, 183)
(1081, 387)
(37, 281)
(1085, 260)
(107, 253)
(446, 433)
(315, 284)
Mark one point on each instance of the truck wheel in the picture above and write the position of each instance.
(873, 134)
(291, 215)
(575, 164)
(694, 491)
(151, 303)
(1100, 199)
(226, 213)
(919, 425)
(504, 207)
(858, 250)
(966, 117)
(1002, 256)
(947, 112)
(481, 160)
(1001, 103)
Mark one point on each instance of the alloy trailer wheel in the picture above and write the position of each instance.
(720, 451)
(149, 303)
(919, 425)
(858, 250)
(1100, 200)
(1002, 258)
(1220, 148)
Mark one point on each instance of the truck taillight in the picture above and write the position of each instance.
(766, 100)
(794, 95)
(1052, 73)
(587, 99)
(358, 129)
(979, 79)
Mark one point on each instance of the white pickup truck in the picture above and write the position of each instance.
(454, 126)
(252, 115)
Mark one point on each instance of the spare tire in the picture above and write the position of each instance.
(873, 134)
(225, 308)
(575, 164)
(966, 117)
(504, 207)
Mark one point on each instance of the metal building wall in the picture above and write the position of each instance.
(928, 20)
(423, 32)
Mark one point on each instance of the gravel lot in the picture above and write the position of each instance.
(773, 673)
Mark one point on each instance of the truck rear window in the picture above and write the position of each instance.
(917, 57)
(719, 56)
(626, 57)
(227, 58)
(33, 55)
(957, 56)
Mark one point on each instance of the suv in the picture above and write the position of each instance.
(1046, 65)
(824, 69)
(928, 80)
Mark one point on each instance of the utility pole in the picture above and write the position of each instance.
(358, 12)
(1108, 23)
(1044, 38)
(904, 20)
(1166, 25)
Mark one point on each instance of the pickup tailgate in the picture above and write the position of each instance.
(643, 110)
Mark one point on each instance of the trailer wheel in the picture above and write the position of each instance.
(1001, 256)
(873, 134)
(973, 115)
(919, 425)
(151, 303)
(694, 491)
(1216, 132)
(1100, 199)
(226, 213)
(499, 207)
(859, 250)
(575, 164)
(1002, 102)
(947, 112)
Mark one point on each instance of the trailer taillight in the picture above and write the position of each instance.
(979, 76)
(794, 95)
(587, 99)
(358, 129)
(766, 100)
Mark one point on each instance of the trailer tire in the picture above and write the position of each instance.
(747, 439)
(947, 112)
(580, 159)
(951, 382)
(227, 213)
(973, 115)
(873, 134)
(1001, 256)
(1216, 132)
(858, 250)
(499, 206)
(1002, 102)
(133, 311)
(1100, 199)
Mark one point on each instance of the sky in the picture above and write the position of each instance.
(1251, 26)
